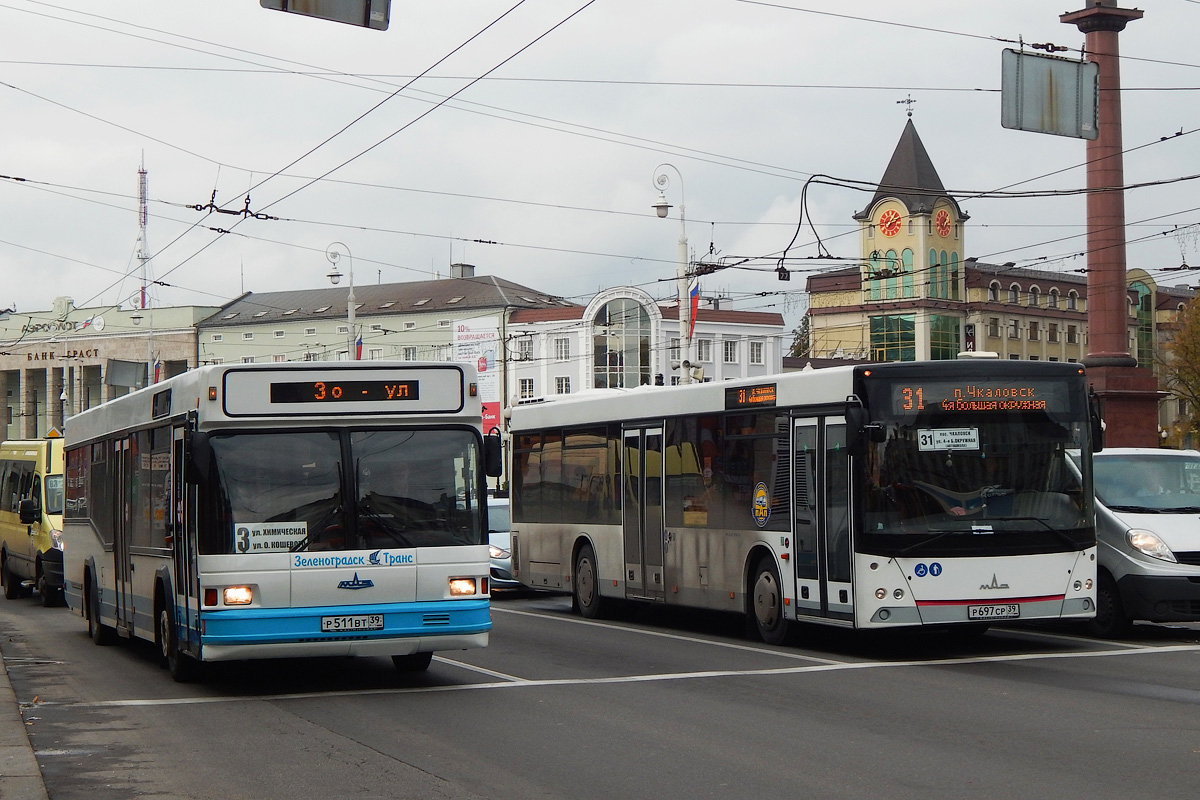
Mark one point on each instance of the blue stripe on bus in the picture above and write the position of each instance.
(400, 620)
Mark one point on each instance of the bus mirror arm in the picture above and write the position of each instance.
(856, 430)
(493, 454)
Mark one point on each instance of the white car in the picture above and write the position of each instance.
(500, 539)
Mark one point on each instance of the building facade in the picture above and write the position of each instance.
(58, 362)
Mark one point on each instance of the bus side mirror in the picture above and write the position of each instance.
(198, 458)
(493, 454)
(1097, 419)
(29, 510)
(856, 434)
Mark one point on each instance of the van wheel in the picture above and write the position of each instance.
(1110, 621)
(12, 585)
(587, 586)
(50, 597)
(101, 634)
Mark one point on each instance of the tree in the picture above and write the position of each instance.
(802, 339)
(1180, 368)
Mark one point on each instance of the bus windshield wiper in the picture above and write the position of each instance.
(366, 510)
(319, 527)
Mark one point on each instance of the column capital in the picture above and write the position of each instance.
(1103, 16)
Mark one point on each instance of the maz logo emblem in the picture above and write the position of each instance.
(993, 585)
(356, 583)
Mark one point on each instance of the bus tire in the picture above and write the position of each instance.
(1110, 621)
(183, 668)
(12, 585)
(586, 585)
(413, 662)
(766, 603)
(100, 633)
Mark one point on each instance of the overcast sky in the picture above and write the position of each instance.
(530, 149)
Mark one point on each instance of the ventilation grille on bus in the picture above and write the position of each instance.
(435, 619)
(334, 639)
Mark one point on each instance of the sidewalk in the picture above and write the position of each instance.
(20, 778)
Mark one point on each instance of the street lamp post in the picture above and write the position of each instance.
(661, 207)
(334, 255)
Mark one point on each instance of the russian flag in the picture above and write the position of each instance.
(358, 348)
(695, 303)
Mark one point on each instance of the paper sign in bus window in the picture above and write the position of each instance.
(948, 439)
(268, 537)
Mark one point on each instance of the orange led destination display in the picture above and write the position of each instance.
(748, 396)
(344, 391)
(911, 397)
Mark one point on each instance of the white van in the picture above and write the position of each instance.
(1148, 527)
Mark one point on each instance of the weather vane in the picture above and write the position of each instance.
(907, 102)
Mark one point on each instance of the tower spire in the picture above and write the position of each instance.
(143, 247)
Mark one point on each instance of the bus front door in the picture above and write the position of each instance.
(821, 519)
(182, 535)
(642, 514)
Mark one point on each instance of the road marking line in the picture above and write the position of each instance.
(674, 676)
(480, 670)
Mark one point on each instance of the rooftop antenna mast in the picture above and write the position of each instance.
(143, 247)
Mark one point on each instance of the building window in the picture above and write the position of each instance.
(525, 349)
(247, 336)
(310, 332)
(994, 327)
(1014, 329)
(1145, 324)
(375, 354)
(1014, 293)
(1034, 333)
(943, 338)
(247, 359)
(277, 334)
(1014, 357)
(1072, 300)
(343, 329)
(1052, 332)
(562, 385)
(1033, 358)
(731, 351)
(443, 323)
(704, 350)
(309, 355)
(1035, 296)
(756, 353)
(1052, 299)
(1072, 334)
(278, 359)
(526, 388)
(562, 349)
(994, 292)
(408, 326)
(409, 354)
(894, 338)
(216, 337)
(674, 348)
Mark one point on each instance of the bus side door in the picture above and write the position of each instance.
(821, 508)
(122, 531)
(642, 513)
(183, 546)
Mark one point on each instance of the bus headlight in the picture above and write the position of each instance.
(238, 595)
(460, 587)
(1148, 542)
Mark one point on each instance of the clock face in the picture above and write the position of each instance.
(942, 223)
(889, 222)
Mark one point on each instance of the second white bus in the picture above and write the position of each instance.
(906, 494)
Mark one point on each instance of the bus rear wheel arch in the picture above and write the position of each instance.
(100, 633)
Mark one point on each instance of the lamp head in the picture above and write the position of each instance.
(335, 277)
(661, 206)
(136, 318)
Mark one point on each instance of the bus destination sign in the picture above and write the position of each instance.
(344, 391)
(750, 396)
(979, 396)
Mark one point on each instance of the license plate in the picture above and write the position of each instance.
(999, 611)
(359, 622)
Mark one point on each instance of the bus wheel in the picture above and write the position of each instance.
(1110, 621)
(183, 668)
(50, 597)
(587, 587)
(413, 662)
(12, 585)
(766, 596)
(101, 634)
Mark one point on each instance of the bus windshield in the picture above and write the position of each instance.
(54, 494)
(288, 491)
(958, 484)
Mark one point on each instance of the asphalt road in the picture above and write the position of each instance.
(651, 704)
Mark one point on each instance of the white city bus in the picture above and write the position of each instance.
(286, 509)
(906, 494)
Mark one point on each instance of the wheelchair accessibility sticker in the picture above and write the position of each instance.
(932, 570)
